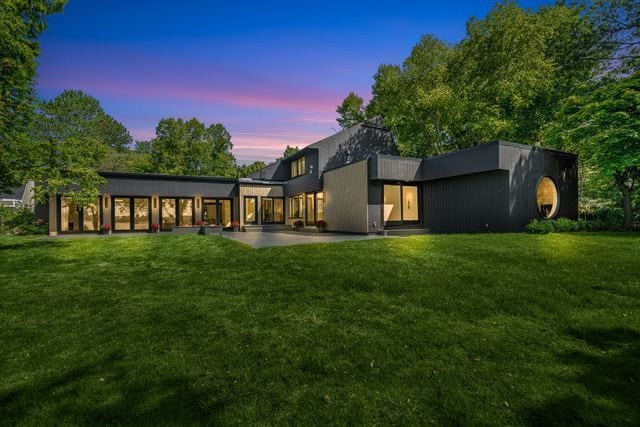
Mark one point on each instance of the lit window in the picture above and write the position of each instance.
(250, 208)
(298, 167)
(547, 197)
(295, 206)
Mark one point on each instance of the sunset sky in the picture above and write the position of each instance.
(272, 74)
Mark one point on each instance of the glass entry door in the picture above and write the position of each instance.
(400, 204)
(217, 212)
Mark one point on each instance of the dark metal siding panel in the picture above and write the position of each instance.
(301, 184)
(479, 159)
(352, 145)
(467, 203)
(168, 188)
(527, 168)
(275, 171)
(393, 168)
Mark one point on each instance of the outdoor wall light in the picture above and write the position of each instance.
(106, 202)
(155, 203)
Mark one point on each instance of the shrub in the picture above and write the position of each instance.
(105, 228)
(565, 225)
(539, 226)
(20, 222)
(613, 217)
(235, 224)
(298, 224)
(321, 223)
(155, 227)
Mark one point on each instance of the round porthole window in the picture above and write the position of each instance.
(547, 197)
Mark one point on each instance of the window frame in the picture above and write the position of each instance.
(218, 204)
(80, 217)
(132, 224)
(300, 205)
(555, 208)
(178, 213)
(402, 220)
(273, 206)
(300, 165)
(255, 210)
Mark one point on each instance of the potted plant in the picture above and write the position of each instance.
(322, 226)
(155, 228)
(235, 225)
(298, 225)
(106, 229)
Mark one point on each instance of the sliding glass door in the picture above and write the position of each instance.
(217, 212)
(400, 204)
(131, 213)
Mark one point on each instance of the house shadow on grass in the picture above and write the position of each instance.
(610, 373)
(80, 396)
(29, 244)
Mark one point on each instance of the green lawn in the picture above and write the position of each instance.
(446, 329)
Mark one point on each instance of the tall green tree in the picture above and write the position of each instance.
(191, 148)
(289, 151)
(351, 111)
(70, 136)
(246, 170)
(504, 80)
(21, 22)
(603, 127)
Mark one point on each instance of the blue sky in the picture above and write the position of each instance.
(272, 73)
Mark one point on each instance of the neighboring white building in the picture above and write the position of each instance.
(21, 197)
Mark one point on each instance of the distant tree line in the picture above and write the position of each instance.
(564, 76)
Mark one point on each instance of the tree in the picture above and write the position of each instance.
(504, 80)
(191, 148)
(21, 22)
(351, 111)
(70, 136)
(289, 151)
(603, 127)
(618, 29)
(246, 170)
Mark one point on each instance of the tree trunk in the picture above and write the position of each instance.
(626, 195)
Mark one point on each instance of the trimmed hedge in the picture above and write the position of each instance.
(564, 225)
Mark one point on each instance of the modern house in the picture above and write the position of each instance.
(354, 181)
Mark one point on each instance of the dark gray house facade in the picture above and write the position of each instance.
(355, 182)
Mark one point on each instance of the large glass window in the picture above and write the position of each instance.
(168, 213)
(225, 213)
(250, 209)
(122, 213)
(272, 210)
(186, 212)
(91, 217)
(141, 213)
(311, 209)
(278, 210)
(547, 197)
(401, 203)
(298, 167)
(295, 206)
(392, 203)
(409, 203)
(69, 216)
(319, 206)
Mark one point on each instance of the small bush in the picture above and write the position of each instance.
(613, 217)
(564, 225)
(20, 222)
(538, 226)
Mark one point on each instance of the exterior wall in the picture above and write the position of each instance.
(259, 191)
(346, 198)
(470, 203)
(527, 165)
(106, 208)
(395, 168)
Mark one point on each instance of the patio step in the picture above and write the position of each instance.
(274, 227)
(404, 231)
